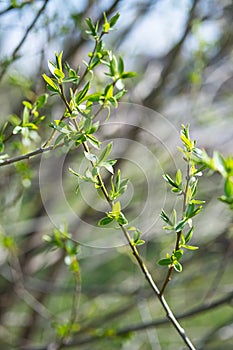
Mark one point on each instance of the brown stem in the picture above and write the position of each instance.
(135, 252)
(89, 63)
(178, 234)
(28, 155)
(167, 280)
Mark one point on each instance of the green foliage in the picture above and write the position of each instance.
(218, 163)
(137, 237)
(9, 243)
(61, 239)
(191, 206)
(118, 187)
(77, 127)
(115, 214)
(197, 160)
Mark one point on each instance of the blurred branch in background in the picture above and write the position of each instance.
(14, 55)
(189, 81)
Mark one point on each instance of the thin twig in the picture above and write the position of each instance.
(22, 292)
(11, 7)
(178, 235)
(162, 300)
(154, 97)
(135, 252)
(28, 155)
(145, 325)
(20, 44)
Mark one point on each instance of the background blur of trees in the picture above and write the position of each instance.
(182, 53)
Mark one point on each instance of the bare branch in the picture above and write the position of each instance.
(20, 44)
(171, 59)
(142, 326)
(28, 155)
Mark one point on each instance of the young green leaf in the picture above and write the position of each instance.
(136, 238)
(121, 219)
(137, 235)
(165, 262)
(59, 74)
(105, 153)
(41, 101)
(120, 66)
(219, 163)
(123, 186)
(171, 182)
(108, 91)
(116, 208)
(91, 27)
(59, 60)
(139, 242)
(178, 177)
(180, 225)
(93, 141)
(108, 165)
(189, 247)
(91, 157)
(50, 83)
(228, 187)
(165, 218)
(126, 75)
(26, 116)
(105, 221)
(189, 235)
(51, 67)
(27, 104)
(114, 19)
(177, 266)
(80, 96)
(178, 254)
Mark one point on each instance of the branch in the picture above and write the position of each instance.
(11, 7)
(28, 155)
(179, 234)
(142, 326)
(20, 44)
(161, 298)
(193, 312)
(134, 250)
(75, 45)
(171, 56)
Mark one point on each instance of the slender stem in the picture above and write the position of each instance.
(52, 135)
(28, 155)
(90, 61)
(86, 148)
(22, 292)
(167, 280)
(74, 312)
(135, 252)
(225, 300)
(186, 187)
(154, 287)
(64, 99)
(178, 235)
(76, 297)
(151, 282)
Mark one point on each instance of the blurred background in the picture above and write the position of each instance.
(182, 54)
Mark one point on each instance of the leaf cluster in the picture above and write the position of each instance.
(116, 214)
(27, 125)
(187, 190)
(61, 239)
(220, 164)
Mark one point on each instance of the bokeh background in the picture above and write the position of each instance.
(182, 53)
